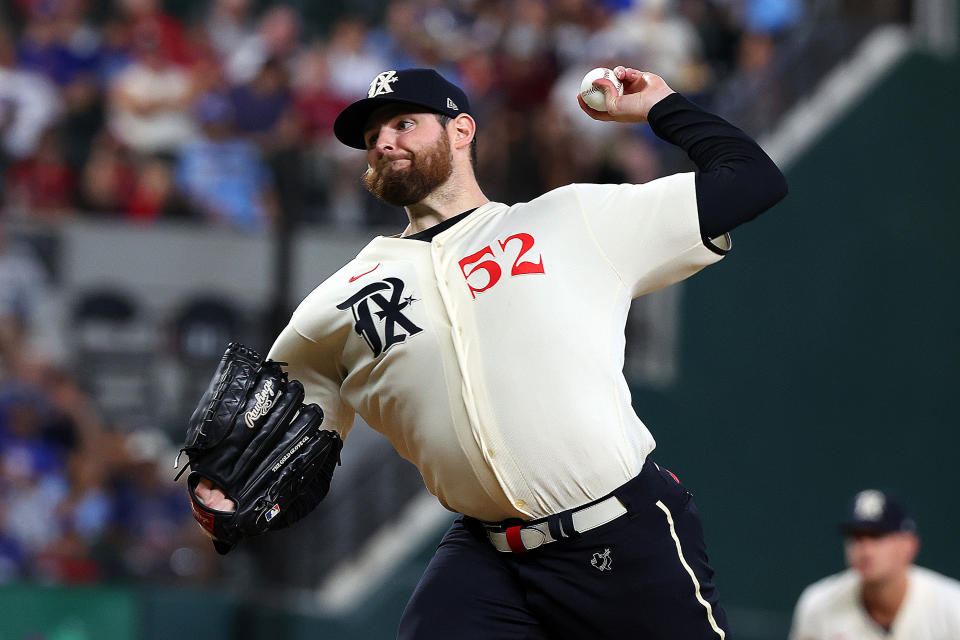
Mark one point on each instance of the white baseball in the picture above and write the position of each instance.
(595, 97)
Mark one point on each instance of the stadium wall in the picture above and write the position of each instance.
(821, 356)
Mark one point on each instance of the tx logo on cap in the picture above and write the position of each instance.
(381, 84)
(869, 505)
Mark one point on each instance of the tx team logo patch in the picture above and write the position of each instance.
(381, 84)
(385, 324)
(602, 561)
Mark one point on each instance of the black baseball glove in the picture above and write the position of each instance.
(252, 437)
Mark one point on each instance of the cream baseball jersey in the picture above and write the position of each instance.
(831, 609)
(492, 356)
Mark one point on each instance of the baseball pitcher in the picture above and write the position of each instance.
(486, 341)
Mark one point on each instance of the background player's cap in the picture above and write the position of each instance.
(875, 511)
(421, 87)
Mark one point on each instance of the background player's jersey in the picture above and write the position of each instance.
(492, 356)
(831, 609)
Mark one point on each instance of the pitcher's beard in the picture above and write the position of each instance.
(427, 170)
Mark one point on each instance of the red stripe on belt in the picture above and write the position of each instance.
(513, 539)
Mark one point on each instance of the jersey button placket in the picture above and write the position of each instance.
(456, 336)
(437, 256)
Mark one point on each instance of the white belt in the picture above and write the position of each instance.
(524, 537)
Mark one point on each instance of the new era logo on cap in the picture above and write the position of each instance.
(424, 88)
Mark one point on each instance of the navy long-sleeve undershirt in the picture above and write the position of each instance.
(735, 181)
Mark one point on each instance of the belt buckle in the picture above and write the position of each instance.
(523, 538)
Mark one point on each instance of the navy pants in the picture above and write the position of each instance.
(644, 576)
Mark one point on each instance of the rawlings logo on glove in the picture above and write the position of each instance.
(264, 402)
(265, 450)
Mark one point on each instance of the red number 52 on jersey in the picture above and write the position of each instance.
(491, 266)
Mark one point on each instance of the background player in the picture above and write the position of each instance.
(882, 595)
(486, 341)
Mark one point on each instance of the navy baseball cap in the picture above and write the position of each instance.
(421, 87)
(875, 511)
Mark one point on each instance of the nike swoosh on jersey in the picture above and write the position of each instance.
(355, 278)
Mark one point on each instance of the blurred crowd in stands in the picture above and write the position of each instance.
(221, 113)
(81, 500)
